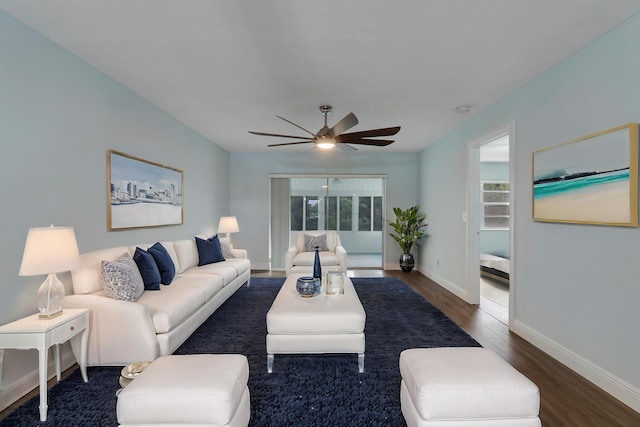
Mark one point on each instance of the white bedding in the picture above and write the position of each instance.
(495, 262)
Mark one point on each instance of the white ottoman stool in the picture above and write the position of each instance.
(200, 389)
(465, 387)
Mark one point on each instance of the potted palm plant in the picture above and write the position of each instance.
(409, 229)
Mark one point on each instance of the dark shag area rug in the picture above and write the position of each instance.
(303, 390)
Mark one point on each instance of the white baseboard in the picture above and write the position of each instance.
(613, 385)
(447, 284)
(13, 392)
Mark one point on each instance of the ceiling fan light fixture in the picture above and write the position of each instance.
(326, 143)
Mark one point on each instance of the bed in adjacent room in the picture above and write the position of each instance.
(495, 267)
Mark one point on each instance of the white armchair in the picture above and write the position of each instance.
(333, 257)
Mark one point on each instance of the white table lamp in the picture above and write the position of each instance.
(228, 224)
(50, 250)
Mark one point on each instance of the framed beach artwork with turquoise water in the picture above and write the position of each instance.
(590, 180)
(142, 193)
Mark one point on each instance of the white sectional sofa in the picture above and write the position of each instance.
(159, 321)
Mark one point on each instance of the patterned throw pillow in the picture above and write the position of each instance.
(121, 279)
(226, 246)
(310, 242)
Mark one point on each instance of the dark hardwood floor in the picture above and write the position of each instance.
(567, 399)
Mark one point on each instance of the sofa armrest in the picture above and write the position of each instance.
(115, 326)
(239, 253)
(288, 259)
(341, 253)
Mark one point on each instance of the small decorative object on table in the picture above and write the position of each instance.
(131, 371)
(335, 283)
(317, 270)
(307, 286)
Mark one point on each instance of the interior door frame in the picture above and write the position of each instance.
(474, 212)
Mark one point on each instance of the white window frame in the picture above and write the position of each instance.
(483, 204)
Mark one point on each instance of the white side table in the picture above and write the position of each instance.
(35, 333)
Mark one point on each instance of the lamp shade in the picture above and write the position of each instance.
(228, 224)
(49, 250)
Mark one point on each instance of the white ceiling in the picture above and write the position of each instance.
(226, 67)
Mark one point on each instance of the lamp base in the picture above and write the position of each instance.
(50, 297)
(45, 316)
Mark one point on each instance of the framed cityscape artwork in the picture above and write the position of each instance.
(142, 193)
(590, 180)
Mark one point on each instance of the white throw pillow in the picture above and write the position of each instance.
(226, 246)
(121, 278)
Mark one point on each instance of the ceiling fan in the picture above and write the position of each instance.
(327, 138)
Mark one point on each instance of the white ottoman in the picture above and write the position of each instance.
(465, 387)
(200, 389)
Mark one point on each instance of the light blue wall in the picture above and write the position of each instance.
(58, 118)
(250, 189)
(576, 287)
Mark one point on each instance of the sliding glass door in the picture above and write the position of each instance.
(353, 206)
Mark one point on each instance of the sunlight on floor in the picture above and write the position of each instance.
(494, 299)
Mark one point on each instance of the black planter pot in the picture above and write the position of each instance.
(406, 262)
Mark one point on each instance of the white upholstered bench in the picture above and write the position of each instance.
(318, 325)
(199, 389)
(459, 387)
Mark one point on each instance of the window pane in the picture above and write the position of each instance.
(364, 214)
(496, 222)
(495, 197)
(312, 213)
(377, 213)
(496, 210)
(346, 212)
(296, 212)
(495, 186)
(332, 213)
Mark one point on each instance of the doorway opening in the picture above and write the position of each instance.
(490, 219)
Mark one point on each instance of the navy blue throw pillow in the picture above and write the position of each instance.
(164, 263)
(209, 251)
(148, 269)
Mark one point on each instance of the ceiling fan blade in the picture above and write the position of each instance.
(277, 134)
(376, 142)
(299, 127)
(345, 147)
(347, 137)
(290, 143)
(349, 121)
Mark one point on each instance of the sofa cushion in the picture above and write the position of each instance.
(121, 279)
(148, 269)
(187, 254)
(172, 305)
(164, 263)
(209, 284)
(209, 251)
(241, 265)
(86, 278)
(307, 258)
(222, 269)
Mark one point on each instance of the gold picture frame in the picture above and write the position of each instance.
(589, 180)
(141, 193)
